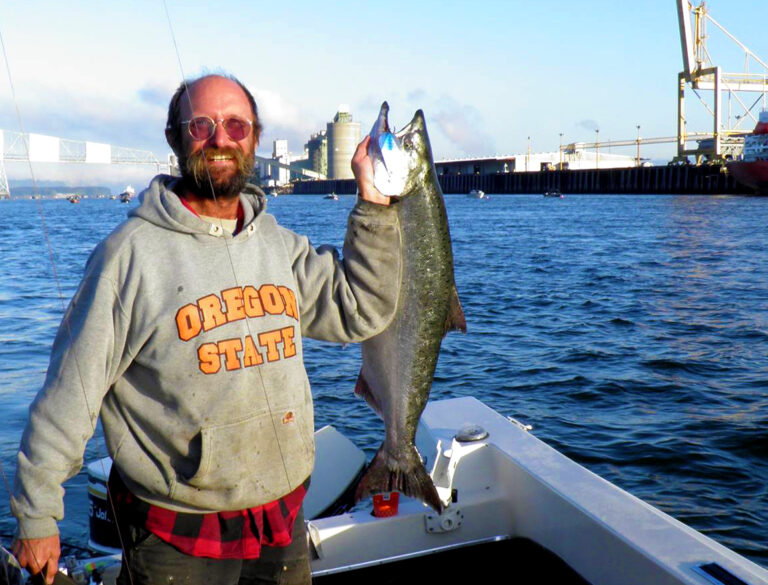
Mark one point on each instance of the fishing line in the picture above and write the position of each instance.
(227, 247)
(91, 416)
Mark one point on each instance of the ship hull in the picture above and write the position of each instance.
(752, 174)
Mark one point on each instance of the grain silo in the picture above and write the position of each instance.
(343, 137)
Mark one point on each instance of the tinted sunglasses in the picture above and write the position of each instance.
(203, 127)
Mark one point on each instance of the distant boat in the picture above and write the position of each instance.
(331, 196)
(127, 195)
(74, 198)
(477, 194)
(554, 193)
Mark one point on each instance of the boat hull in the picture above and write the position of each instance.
(752, 174)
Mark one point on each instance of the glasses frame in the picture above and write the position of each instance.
(216, 122)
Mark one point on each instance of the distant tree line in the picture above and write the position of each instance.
(46, 191)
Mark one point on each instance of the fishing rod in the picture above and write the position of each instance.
(52, 262)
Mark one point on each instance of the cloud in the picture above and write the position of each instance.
(155, 95)
(588, 124)
(463, 125)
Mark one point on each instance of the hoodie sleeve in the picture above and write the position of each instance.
(352, 299)
(63, 416)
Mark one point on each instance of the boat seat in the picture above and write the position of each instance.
(338, 465)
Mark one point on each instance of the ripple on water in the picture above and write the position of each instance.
(630, 331)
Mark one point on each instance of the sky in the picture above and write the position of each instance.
(492, 77)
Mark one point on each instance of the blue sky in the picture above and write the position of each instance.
(488, 74)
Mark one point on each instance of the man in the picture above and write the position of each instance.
(185, 338)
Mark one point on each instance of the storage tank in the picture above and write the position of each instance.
(343, 137)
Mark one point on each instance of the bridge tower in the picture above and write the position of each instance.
(5, 190)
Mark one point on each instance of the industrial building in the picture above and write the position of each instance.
(573, 157)
(317, 152)
(343, 136)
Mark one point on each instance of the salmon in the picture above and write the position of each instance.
(399, 363)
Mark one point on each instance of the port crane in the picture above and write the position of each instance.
(700, 73)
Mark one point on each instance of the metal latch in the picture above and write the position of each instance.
(451, 519)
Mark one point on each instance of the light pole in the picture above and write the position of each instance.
(528, 156)
(561, 151)
(638, 145)
(597, 148)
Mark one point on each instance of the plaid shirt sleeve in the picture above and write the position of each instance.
(219, 535)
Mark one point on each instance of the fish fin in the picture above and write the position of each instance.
(455, 320)
(363, 390)
(406, 475)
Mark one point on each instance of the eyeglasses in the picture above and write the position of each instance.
(203, 127)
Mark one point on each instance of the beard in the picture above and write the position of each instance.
(214, 183)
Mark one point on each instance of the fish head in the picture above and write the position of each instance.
(415, 144)
(390, 168)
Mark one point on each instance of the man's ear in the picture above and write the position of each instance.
(170, 137)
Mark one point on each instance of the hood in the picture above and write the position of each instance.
(160, 206)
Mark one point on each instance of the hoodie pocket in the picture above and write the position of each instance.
(265, 448)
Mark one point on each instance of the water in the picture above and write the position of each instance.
(631, 331)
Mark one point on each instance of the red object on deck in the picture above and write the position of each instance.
(385, 505)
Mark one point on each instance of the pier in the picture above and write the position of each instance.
(676, 180)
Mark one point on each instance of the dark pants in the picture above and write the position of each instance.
(148, 560)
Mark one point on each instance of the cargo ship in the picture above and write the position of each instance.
(751, 169)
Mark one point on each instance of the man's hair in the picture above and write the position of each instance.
(173, 125)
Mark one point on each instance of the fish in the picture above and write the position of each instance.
(398, 364)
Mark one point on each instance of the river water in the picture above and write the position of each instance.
(630, 331)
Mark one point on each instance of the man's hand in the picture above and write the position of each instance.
(362, 168)
(39, 555)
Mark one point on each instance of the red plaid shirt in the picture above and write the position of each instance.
(219, 535)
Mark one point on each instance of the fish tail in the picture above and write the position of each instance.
(406, 475)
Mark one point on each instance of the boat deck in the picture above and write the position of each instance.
(472, 564)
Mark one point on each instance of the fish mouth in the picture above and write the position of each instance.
(389, 160)
(382, 122)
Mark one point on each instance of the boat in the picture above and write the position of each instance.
(554, 193)
(477, 194)
(331, 196)
(515, 505)
(127, 195)
(751, 169)
(73, 198)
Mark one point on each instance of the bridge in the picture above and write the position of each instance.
(39, 148)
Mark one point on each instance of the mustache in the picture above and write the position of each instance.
(197, 163)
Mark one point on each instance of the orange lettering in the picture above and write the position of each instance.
(270, 339)
(271, 300)
(251, 355)
(188, 322)
(290, 301)
(289, 348)
(229, 348)
(211, 309)
(208, 353)
(252, 302)
(233, 299)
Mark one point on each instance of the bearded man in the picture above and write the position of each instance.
(185, 338)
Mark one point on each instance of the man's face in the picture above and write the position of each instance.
(227, 162)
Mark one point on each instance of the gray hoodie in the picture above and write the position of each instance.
(187, 342)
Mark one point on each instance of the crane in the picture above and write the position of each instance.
(701, 73)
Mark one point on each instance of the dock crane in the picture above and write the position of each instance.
(701, 74)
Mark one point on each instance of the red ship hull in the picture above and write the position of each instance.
(753, 174)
